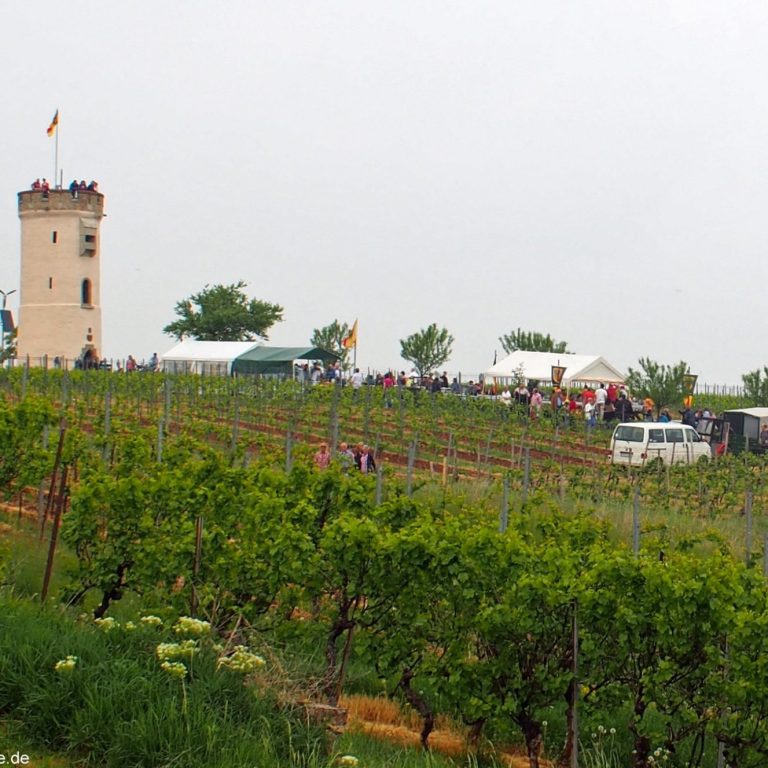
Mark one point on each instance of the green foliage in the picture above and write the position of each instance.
(664, 384)
(9, 347)
(223, 313)
(427, 349)
(23, 460)
(138, 530)
(531, 341)
(756, 386)
(330, 337)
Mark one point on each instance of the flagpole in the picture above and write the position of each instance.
(56, 157)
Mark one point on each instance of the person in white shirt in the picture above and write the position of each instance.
(356, 379)
(601, 396)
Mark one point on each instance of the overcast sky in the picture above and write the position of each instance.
(594, 170)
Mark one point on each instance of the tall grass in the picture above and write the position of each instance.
(118, 708)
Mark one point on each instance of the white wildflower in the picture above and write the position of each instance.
(241, 660)
(174, 668)
(66, 665)
(186, 625)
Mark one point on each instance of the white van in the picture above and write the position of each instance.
(639, 443)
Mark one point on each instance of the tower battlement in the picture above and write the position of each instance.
(83, 201)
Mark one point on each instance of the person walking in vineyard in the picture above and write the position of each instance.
(601, 398)
(589, 414)
(323, 457)
(365, 461)
(536, 402)
(346, 457)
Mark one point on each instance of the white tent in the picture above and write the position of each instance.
(579, 369)
(205, 357)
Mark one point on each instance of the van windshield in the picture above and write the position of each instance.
(630, 434)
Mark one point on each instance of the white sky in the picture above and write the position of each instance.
(595, 170)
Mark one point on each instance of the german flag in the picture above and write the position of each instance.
(52, 127)
(350, 341)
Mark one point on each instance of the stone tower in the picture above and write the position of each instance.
(60, 292)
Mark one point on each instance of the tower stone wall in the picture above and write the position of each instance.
(60, 291)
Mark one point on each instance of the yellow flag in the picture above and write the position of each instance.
(52, 127)
(351, 340)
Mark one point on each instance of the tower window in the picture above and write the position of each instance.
(88, 237)
(86, 297)
(50, 283)
(54, 236)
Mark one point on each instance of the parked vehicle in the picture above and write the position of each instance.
(639, 444)
(735, 431)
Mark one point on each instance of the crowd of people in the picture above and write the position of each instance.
(333, 373)
(359, 458)
(75, 188)
(601, 404)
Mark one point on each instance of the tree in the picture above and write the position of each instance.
(531, 341)
(223, 313)
(330, 338)
(756, 386)
(427, 349)
(664, 384)
(9, 345)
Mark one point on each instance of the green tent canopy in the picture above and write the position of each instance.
(278, 360)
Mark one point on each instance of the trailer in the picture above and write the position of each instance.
(737, 430)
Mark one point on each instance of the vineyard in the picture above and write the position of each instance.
(495, 571)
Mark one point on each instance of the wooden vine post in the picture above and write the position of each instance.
(54, 533)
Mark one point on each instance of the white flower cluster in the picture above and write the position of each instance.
(64, 666)
(186, 649)
(189, 626)
(106, 625)
(349, 760)
(151, 621)
(241, 660)
(129, 626)
(659, 757)
(174, 668)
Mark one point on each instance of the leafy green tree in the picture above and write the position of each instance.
(9, 345)
(223, 313)
(664, 384)
(427, 349)
(531, 341)
(330, 337)
(756, 386)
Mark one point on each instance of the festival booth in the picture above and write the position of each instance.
(208, 358)
(280, 361)
(572, 370)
